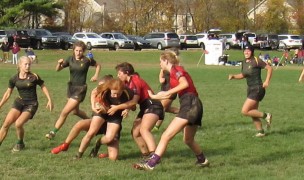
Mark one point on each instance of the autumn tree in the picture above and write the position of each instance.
(276, 17)
(299, 15)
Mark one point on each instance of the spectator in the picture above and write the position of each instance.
(286, 55)
(300, 56)
(90, 55)
(244, 42)
(5, 48)
(30, 53)
(275, 61)
(15, 49)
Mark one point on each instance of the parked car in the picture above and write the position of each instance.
(163, 40)
(22, 38)
(42, 38)
(268, 41)
(230, 40)
(139, 42)
(288, 41)
(117, 40)
(91, 39)
(3, 36)
(6, 35)
(188, 41)
(252, 38)
(202, 39)
(66, 40)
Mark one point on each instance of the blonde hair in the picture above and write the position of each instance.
(171, 56)
(21, 59)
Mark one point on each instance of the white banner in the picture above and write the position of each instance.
(214, 50)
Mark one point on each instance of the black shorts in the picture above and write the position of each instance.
(191, 109)
(26, 106)
(77, 92)
(109, 119)
(151, 106)
(256, 92)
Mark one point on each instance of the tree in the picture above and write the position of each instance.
(299, 15)
(32, 10)
(276, 17)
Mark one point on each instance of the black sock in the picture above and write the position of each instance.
(200, 158)
(20, 141)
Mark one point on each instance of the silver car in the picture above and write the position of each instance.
(117, 40)
(162, 40)
(90, 39)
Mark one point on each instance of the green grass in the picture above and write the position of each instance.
(226, 136)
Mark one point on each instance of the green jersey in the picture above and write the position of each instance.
(78, 69)
(26, 87)
(252, 71)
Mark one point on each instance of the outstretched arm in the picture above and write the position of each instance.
(127, 105)
(47, 94)
(183, 84)
(6, 96)
(235, 76)
(97, 70)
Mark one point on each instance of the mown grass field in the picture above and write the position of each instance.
(226, 136)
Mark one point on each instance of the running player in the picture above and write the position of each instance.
(77, 87)
(26, 104)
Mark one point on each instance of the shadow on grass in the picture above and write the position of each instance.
(183, 152)
(288, 130)
(276, 156)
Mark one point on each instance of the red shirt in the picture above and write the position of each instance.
(139, 87)
(177, 72)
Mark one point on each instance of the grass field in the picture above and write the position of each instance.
(226, 136)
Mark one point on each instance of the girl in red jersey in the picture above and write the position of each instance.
(150, 110)
(189, 117)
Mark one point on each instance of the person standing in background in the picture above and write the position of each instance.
(15, 49)
(5, 48)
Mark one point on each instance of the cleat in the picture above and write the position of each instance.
(143, 166)
(260, 135)
(77, 157)
(61, 147)
(50, 135)
(103, 155)
(18, 147)
(268, 120)
(203, 164)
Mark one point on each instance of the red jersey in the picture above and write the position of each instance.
(177, 72)
(139, 87)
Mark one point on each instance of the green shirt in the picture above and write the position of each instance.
(252, 71)
(26, 87)
(78, 69)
